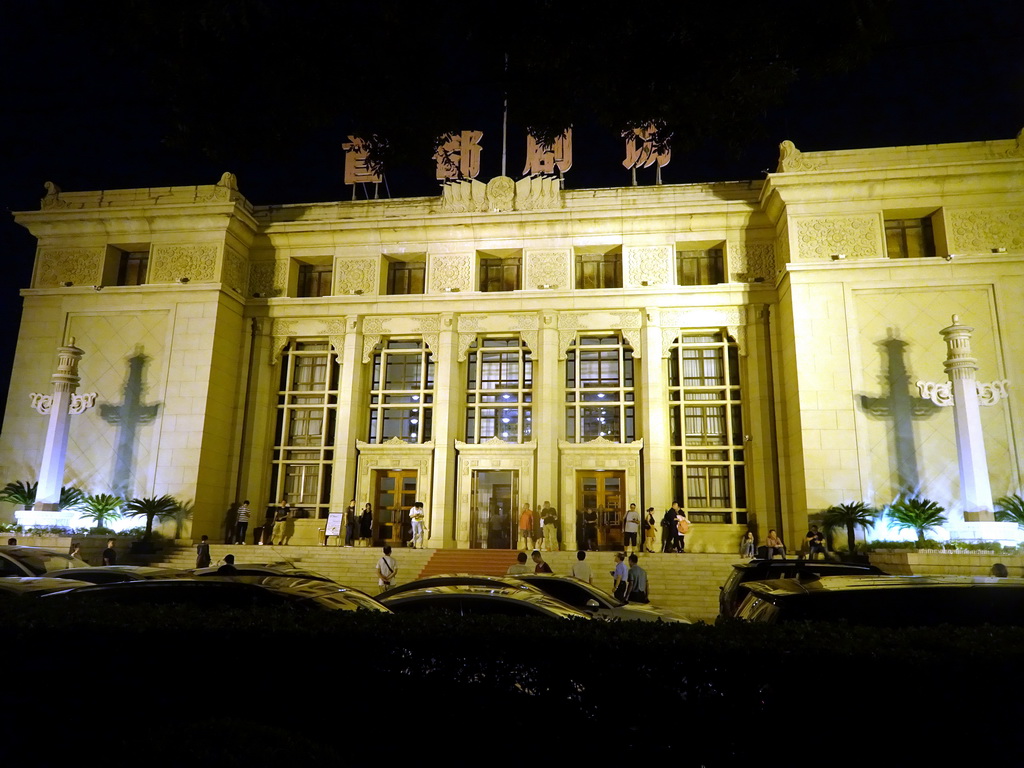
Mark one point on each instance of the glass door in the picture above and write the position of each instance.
(394, 494)
(605, 493)
(492, 512)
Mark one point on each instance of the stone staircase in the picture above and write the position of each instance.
(685, 583)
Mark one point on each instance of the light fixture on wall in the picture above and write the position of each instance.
(645, 283)
(546, 287)
(949, 256)
(998, 250)
(838, 256)
(356, 291)
(451, 290)
(183, 280)
(257, 295)
(97, 287)
(67, 283)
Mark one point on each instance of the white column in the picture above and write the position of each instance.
(449, 411)
(549, 428)
(353, 406)
(652, 400)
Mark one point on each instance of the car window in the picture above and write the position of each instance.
(574, 594)
(10, 568)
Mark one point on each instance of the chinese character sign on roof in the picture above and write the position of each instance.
(458, 155)
(544, 159)
(357, 167)
(646, 146)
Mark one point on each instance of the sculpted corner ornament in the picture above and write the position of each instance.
(792, 159)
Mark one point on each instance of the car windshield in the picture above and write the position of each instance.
(41, 561)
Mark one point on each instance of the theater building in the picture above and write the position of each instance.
(748, 348)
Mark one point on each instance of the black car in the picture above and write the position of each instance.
(35, 561)
(261, 569)
(481, 600)
(34, 586)
(111, 574)
(595, 601)
(732, 592)
(887, 601)
(461, 579)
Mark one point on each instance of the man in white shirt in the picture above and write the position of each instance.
(416, 516)
(630, 527)
(581, 568)
(386, 570)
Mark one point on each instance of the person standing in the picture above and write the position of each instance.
(539, 566)
(620, 576)
(109, 554)
(590, 528)
(416, 517)
(636, 587)
(350, 523)
(242, 522)
(366, 525)
(669, 532)
(203, 552)
(650, 523)
(526, 527)
(581, 568)
(76, 550)
(549, 517)
(682, 528)
(281, 518)
(387, 567)
(630, 528)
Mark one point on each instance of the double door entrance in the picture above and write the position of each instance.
(394, 493)
(601, 500)
(494, 509)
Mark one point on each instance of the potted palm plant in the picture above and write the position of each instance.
(101, 508)
(849, 516)
(1010, 509)
(918, 514)
(20, 494)
(152, 508)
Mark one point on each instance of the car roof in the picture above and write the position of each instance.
(484, 592)
(809, 565)
(28, 584)
(787, 587)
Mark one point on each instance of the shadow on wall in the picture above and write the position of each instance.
(129, 416)
(901, 406)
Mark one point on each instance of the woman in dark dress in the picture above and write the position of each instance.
(366, 524)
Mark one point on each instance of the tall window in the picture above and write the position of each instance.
(599, 270)
(402, 395)
(909, 238)
(406, 277)
(499, 391)
(599, 390)
(132, 267)
(701, 267)
(500, 273)
(315, 280)
(307, 408)
(706, 427)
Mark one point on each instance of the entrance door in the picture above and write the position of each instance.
(605, 493)
(394, 493)
(493, 507)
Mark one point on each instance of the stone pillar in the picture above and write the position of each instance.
(652, 400)
(449, 412)
(352, 413)
(549, 428)
(60, 406)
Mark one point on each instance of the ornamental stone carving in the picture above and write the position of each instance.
(169, 263)
(538, 193)
(268, 278)
(979, 230)
(650, 264)
(750, 261)
(550, 268)
(792, 159)
(355, 276)
(235, 274)
(676, 322)
(501, 194)
(464, 196)
(81, 266)
(451, 272)
(629, 322)
(856, 236)
(472, 325)
(375, 328)
(53, 200)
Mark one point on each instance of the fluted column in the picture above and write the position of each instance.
(449, 412)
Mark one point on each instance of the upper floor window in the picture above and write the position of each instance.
(909, 238)
(315, 280)
(599, 390)
(499, 391)
(126, 265)
(406, 277)
(402, 393)
(501, 271)
(599, 270)
(700, 267)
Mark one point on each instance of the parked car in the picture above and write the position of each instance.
(731, 593)
(222, 594)
(595, 601)
(262, 569)
(35, 561)
(480, 600)
(110, 574)
(34, 586)
(887, 601)
(461, 579)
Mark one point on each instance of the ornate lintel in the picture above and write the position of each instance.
(41, 402)
(81, 403)
(992, 392)
(941, 393)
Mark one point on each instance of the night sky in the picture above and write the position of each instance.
(93, 99)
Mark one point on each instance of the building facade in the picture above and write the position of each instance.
(749, 349)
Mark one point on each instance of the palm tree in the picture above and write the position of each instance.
(849, 516)
(71, 498)
(19, 493)
(101, 508)
(921, 515)
(1010, 509)
(152, 508)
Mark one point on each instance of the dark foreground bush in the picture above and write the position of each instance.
(168, 685)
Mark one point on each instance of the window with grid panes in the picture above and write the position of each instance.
(402, 392)
(599, 390)
(701, 267)
(706, 427)
(307, 408)
(499, 391)
(909, 238)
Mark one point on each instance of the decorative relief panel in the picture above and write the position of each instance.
(857, 236)
(376, 327)
(979, 230)
(749, 261)
(470, 326)
(548, 268)
(675, 321)
(652, 264)
(81, 266)
(628, 321)
(168, 263)
(538, 192)
(268, 278)
(235, 274)
(464, 196)
(451, 271)
(285, 331)
(356, 276)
